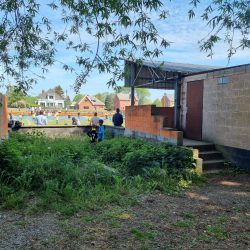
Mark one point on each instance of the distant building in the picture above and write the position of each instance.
(51, 99)
(122, 100)
(90, 103)
(167, 100)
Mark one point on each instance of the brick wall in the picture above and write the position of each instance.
(166, 111)
(226, 109)
(3, 116)
(86, 103)
(144, 119)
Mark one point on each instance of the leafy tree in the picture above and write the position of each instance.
(14, 94)
(58, 89)
(27, 41)
(77, 98)
(225, 19)
(67, 101)
(99, 96)
(32, 99)
(122, 28)
(104, 95)
(109, 102)
(122, 89)
(157, 102)
(143, 96)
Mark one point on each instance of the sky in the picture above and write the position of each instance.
(178, 29)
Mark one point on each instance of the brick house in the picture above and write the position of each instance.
(90, 103)
(122, 100)
(167, 100)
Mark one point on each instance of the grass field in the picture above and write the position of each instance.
(31, 123)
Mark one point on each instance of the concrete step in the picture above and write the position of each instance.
(213, 164)
(210, 155)
(205, 147)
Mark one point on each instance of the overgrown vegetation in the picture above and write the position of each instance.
(68, 174)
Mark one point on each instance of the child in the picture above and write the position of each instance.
(78, 122)
(57, 119)
(21, 116)
(92, 134)
(101, 131)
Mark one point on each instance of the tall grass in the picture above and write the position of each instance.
(68, 174)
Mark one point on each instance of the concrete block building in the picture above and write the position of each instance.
(212, 106)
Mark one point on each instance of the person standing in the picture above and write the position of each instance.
(94, 120)
(100, 131)
(117, 118)
(11, 115)
(79, 115)
(41, 120)
(19, 108)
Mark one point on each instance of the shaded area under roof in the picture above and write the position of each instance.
(148, 76)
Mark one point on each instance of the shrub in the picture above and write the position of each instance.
(68, 174)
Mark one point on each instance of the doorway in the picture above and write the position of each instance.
(194, 110)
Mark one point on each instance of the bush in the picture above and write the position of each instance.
(68, 174)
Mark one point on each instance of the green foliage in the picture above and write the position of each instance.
(189, 215)
(182, 224)
(67, 101)
(143, 96)
(35, 105)
(157, 102)
(225, 18)
(68, 174)
(58, 89)
(29, 39)
(77, 98)
(14, 94)
(109, 101)
(99, 96)
(218, 232)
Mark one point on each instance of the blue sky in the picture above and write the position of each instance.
(183, 34)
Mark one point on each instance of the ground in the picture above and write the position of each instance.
(216, 216)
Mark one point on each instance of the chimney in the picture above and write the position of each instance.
(43, 92)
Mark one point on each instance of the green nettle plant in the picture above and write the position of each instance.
(68, 174)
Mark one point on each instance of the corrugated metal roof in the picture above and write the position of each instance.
(184, 68)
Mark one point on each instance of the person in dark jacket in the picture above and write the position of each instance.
(117, 118)
(74, 121)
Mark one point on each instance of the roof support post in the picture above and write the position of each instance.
(177, 101)
(132, 96)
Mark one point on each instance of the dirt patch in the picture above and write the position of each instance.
(216, 216)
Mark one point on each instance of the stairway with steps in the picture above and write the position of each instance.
(213, 160)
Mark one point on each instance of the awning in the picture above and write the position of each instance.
(149, 76)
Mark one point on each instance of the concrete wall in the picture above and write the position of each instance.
(143, 121)
(3, 117)
(226, 112)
